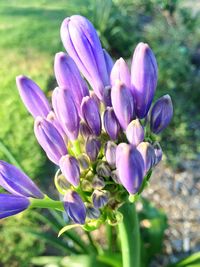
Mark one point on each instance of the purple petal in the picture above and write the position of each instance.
(111, 123)
(75, 207)
(109, 61)
(99, 198)
(135, 132)
(68, 76)
(91, 115)
(33, 97)
(123, 105)
(130, 167)
(11, 205)
(82, 43)
(50, 139)
(70, 169)
(53, 119)
(161, 114)
(66, 111)
(92, 147)
(144, 75)
(148, 155)
(120, 71)
(16, 182)
(110, 153)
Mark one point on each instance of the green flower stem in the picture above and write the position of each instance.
(47, 203)
(129, 236)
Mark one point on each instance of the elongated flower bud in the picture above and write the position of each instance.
(110, 153)
(148, 155)
(161, 114)
(144, 75)
(33, 97)
(50, 139)
(109, 61)
(107, 96)
(75, 207)
(70, 169)
(91, 115)
(11, 205)
(99, 198)
(135, 132)
(52, 118)
(115, 176)
(82, 43)
(120, 71)
(92, 147)
(111, 123)
(84, 130)
(130, 167)
(84, 161)
(123, 105)
(17, 182)
(66, 111)
(68, 76)
(158, 153)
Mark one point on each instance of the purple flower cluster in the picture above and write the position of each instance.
(100, 139)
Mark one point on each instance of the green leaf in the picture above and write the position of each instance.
(190, 261)
(83, 261)
(43, 260)
(67, 228)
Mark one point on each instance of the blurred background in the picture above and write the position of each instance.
(29, 39)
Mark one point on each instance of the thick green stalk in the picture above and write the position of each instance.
(130, 236)
(46, 202)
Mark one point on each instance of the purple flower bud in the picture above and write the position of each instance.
(84, 130)
(144, 75)
(92, 147)
(52, 118)
(161, 114)
(111, 123)
(84, 161)
(96, 99)
(148, 155)
(130, 167)
(70, 169)
(109, 61)
(103, 169)
(75, 207)
(11, 205)
(33, 97)
(135, 132)
(158, 153)
(16, 182)
(107, 96)
(68, 76)
(66, 111)
(120, 71)
(110, 153)
(82, 43)
(50, 139)
(99, 198)
(115, 176)
(91, 115)
(123, 105)
(92, 212)
(98, 182)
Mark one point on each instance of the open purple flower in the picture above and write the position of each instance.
(16, 182)
(11, 205)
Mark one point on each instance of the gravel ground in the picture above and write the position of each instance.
(178, 194)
